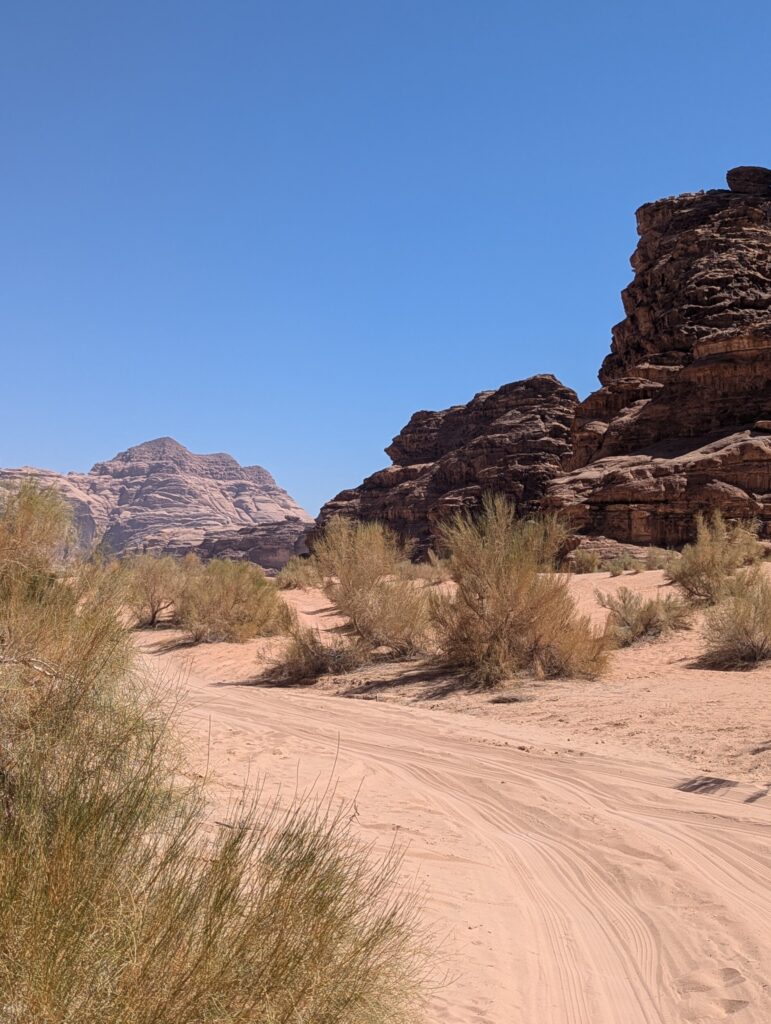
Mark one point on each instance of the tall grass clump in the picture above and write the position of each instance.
(360, 564)
(633, 617)
(705, 569)
(115, 906)
(506, 615)
(307, 655)
(738, 630)
(225, 600)
(153, 587)
(432, 571)
(585, 561)
(299, 574)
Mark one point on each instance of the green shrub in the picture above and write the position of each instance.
(224, 600)
(738, 630)
(506, 616)
(705, 568)
(633, 617)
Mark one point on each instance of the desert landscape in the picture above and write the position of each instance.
(589, 851)
(487, 740)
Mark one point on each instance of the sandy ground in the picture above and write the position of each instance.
(590, 853)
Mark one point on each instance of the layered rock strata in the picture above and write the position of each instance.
(682, 423)
(512, 440)
(158, 495)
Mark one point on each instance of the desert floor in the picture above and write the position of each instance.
(589, 852)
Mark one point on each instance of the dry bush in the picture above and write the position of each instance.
(225, 600)
(358, 554)
(585, 561)
(657, 558)
(153, 586)
(299, 574)
(308, 655)
(113, 904)
(506, 616)
(35, 528)
(432, 572)
(623, 563)
(705, 568)
(545, 535)
(361, 563)
(633, 617)
(738, 630)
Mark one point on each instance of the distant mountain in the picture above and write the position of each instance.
(158, 495)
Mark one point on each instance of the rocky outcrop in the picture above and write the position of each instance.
(270, 545)
(681, 423)
(512, 440)
(158, 495)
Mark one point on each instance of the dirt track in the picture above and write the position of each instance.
(570, 887)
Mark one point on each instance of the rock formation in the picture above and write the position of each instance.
(512, 440)
(682, 422)
(158, 495)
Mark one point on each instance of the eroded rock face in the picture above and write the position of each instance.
(270, 545)
(512, 440)
(158, 495)
(679, 425)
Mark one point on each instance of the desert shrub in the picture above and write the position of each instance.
(225, 600)
(358, 554)
(738, 630)
(153, 586)
(114, 906)
(299, 574)
(634, 617)
(35, 528)
(360, 563)
(51, 612)
(705, 568)
(433, 571)
(657, 558)
(308, 655)
(585, 561)
(505, 615)
(623, 563)
(545, 535)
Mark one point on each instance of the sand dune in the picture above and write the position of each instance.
(572, 883)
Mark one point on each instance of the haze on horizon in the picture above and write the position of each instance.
(278, 230)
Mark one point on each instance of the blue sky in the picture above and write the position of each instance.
(278, 229)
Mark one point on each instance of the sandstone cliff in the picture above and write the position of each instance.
(683, 420)
(681, 424)
(512, 440)
(158, 495)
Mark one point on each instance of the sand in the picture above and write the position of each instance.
(589, 853)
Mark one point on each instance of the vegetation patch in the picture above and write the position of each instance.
(633, 617)
(114, 906)
(706, 569)
(506, 615)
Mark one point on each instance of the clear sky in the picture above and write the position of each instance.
(278, 229)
